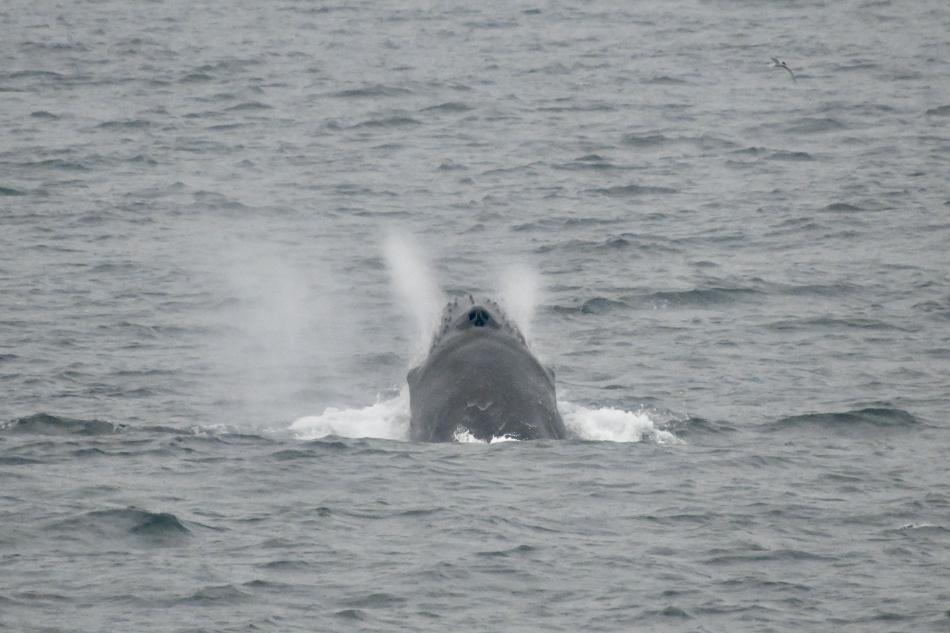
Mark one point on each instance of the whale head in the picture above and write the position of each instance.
(481, 380)
(471, 317)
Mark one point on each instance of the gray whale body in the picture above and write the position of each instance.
(480, 378)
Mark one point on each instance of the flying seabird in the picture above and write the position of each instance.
(778, 63)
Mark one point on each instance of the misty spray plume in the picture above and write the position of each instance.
(519, 292)
(416, 289)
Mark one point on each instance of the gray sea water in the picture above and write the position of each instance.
(223, 226)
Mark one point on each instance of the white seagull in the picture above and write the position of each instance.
(778, 63)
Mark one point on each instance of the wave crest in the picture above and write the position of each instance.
(858, 420)
(47, 424)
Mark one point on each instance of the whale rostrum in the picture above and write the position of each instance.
(480, 379)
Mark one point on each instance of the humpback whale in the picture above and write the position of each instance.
(480, 379)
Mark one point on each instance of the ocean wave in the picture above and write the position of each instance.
(125, 124)
(821, 290)
(373, 600)
(623, 191)
(786, 555)
(646, 140)
(842, 207)
(577, 107)
(356, 615)
(856, 421)
(699, 296)
(8, 602)
(833, 323)
(790, 156)
(54, 46)
(312, 449)
(287, 565)
(370, 91)
(814, 125)
(156, 527)
(449, 106)
(769, 154)
(195, 77)
(388, 122)
(938, 309)
(696, 426)
(46, 424)
(593, 162)
(17, 460)
(56, 164)
(558, 224)
(664, 80)
(923, 528)
(215, 594)
(704, 142)
(594, 305)
(858, 64)
(32, 74)
(519, 550)
(249, 106)
(267, 585)
(157, 524)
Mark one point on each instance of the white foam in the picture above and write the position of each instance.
(464, 436)
(613, 425)
(387, 419)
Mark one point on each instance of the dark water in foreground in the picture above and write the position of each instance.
(742, 283)
(802, 524)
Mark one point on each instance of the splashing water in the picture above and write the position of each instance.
(613, 425)
(389, 420)
(416, 289)
(464, 436)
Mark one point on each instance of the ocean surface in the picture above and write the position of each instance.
(226, 227)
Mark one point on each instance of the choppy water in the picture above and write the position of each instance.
(744, 286)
